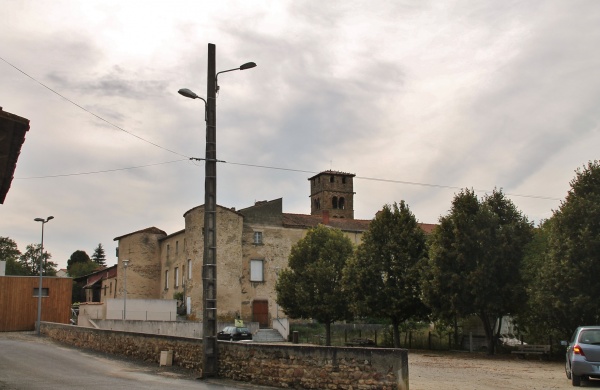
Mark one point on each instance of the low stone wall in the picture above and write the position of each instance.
(187, 352)
(281, 365)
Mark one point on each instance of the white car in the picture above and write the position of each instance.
(583, 354)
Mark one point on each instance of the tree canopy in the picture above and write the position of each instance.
(382, 279)
(475, 260)
(312, 285)
(99, 257)
(10, 253)
(565, 289)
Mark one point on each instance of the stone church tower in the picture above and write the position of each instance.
(332, 191)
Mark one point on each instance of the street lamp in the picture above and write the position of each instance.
(209, 258)
(39, 313)
(125, 264)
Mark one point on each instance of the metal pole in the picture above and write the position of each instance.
(209, 263)
(125, 298)
(39, 313)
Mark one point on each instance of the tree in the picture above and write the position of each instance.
(10, 253)
(382, 279)
(312, 285)
(30, 262)
(564, 290)
(475, 260)
(99, 257)
(78, 256)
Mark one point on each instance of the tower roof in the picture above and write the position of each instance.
(330, 172)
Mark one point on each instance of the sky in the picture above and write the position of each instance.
(418, 99)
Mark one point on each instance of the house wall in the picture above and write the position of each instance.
(281, 365)
(274, 252)
(229, 259)
(142, 249)
(19, 306)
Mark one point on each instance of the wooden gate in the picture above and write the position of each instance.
(260, 313)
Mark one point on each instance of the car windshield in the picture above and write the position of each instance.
(243, 330)
(590, 336)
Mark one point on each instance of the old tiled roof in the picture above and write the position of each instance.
(308, 221)
(12, 136)
(151, 230)
(330, 172)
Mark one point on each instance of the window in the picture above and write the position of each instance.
(256, 271)
(189, 269)
(168, 250)
(176, 247)
(258, 239)
(166, 279)
(111, 288)
(334, 202)
(176, 277)
(341, 203)
(331, 179)
(343, 179)
(45, 292)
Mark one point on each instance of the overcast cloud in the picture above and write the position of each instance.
(478, 94)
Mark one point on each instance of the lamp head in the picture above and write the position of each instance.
(188, 93)
(39, 220)
(49, 218)
(247, 65)
(125, 263)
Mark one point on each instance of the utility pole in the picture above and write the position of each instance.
(209, 260)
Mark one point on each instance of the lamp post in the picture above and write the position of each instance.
(209, 258)
(125, 264)
(39, 311)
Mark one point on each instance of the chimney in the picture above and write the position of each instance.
(325, 215)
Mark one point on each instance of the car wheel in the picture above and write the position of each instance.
(567, 370)
(575, 380)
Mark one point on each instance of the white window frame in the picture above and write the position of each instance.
(166, 279)
(257, 270)
(176, 277)
(189, 269)
(258, 238)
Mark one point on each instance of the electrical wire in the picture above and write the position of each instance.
(231, 163)
(90, 112)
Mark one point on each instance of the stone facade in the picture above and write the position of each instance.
(253, 244)
(283, 365)
(333, 192)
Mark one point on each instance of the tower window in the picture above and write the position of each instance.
(342, 203)
(331, 179)
(334, 202)
(343, 179)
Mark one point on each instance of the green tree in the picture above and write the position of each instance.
(78, 256)
(382, 279)
(10, 253)
(475, 260)
(565, 289)
(30, 261)
(81, 269)
(312, 285)
(99, 256)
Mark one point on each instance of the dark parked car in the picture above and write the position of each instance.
(233, 333)
(583, 354)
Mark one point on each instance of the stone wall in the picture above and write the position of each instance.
(280, 365)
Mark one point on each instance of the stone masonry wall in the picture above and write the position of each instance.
(280, 365)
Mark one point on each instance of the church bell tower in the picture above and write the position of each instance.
(332, 191)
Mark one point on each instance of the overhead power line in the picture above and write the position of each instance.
(232, 163)
(90, 112)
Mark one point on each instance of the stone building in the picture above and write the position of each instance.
(253, 244)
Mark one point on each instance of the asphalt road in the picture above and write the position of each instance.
(31, 362)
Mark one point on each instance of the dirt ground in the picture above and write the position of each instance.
(466, 371)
